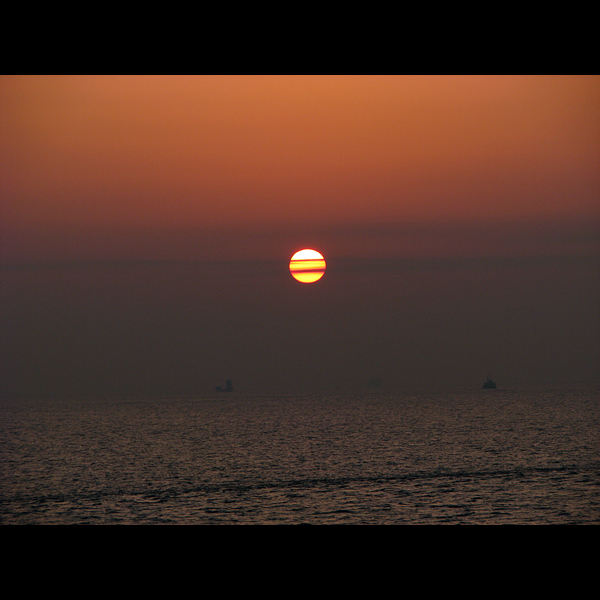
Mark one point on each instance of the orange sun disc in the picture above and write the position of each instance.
(307, 266)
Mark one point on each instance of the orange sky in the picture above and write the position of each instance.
(147, 224)
(214, 151)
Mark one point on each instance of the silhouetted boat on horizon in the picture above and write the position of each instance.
(228, 387)
(489, 384)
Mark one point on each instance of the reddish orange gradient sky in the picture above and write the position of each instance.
(214, 151)
(147, 223)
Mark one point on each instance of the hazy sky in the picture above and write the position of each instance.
(147, 223)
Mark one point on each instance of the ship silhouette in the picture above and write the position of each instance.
(228, 387)
(489, 384)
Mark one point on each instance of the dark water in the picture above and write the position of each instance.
(467, 457)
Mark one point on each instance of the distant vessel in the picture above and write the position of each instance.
(489, 384)
(228, 387)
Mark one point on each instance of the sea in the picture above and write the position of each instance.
(424, 457)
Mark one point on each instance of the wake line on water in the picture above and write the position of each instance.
(332, 482)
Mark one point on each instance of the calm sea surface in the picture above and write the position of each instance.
(466, 457)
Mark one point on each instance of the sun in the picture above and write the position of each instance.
(307, 265)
